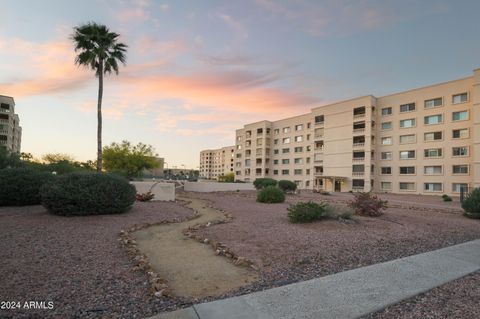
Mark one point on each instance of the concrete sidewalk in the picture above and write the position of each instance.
(348, 294)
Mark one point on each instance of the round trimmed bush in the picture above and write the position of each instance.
(306, 212)
(287, 186)
(271, 194)
(21, 186)
(88, 194)
(261, 183)
(471, 204)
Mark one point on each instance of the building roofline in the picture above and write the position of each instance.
(344, 101)
(10, 97)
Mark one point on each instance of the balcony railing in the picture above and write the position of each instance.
(358, 173)
(318, 174)
(358, 187)
(358, 130)
(319, 123)
(357, 116)
(361, 144)
(3, 142)
(358, 159)
(4, 110)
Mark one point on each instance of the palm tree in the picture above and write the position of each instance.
(98, 50)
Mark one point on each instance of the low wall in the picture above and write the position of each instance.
(162, 191)
(207, 187)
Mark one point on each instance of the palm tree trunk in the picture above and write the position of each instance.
(99, 117)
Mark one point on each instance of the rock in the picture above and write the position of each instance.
(217, 252)
(208, 224)
(206, 241)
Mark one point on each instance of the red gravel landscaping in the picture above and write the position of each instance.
(78, 263)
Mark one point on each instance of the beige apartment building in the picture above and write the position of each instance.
(10, 130)
(214, 163)
(425, 140)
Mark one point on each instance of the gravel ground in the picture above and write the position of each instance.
(76, 262)
(456, 299)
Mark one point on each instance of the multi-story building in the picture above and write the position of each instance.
(214, 163)
(425, 140)
(10, 130)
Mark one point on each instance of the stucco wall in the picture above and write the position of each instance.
(162, 191)
(206, 187)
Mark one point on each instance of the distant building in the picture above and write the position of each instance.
(10, 130)
(214, 163)
(423, 140)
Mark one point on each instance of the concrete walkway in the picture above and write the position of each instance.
(348, 294)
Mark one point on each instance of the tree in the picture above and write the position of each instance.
(98, 50)
(227, 178)
(129, 160)
(9, 159)
(52, 158)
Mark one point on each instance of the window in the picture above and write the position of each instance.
(386, 170)
(309, 148)
(319, 119)
(407, 154)
(407, 107)
(407, 139)
(430, 104)
(275, 151)
(433, 119)
(460, 116)
(275, 162)
(407, 123)
(286, 130)
(307, 171)
(276, 131)
(386, 111)
(407, 170)
(308, 160)
(457, 187)
(285, 161)
(275, 172)
(297, 172)
(358, 183)
(433, 152)
(460, 151)
(298, 149)
(386, 126)
(432, 170)
(386, 155)
(308, 125)
(407, 186)
(286, 140)
(260, 131)
(432, 187)
(432, 136)
(298, 138)
(386, 185)
(387, 140)
(460, 133)
(285, 172)
(275, 141)
(459, 98)
(299, 127)
(285, 150)
(308, 137)
(298, 161)
(460, 169)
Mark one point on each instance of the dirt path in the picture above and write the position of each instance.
(192, 269)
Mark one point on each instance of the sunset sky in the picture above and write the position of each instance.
(198, 70)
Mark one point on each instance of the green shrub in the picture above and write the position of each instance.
(287, 186)
(471, 204)
(261, 183)
(446, 198)
(306, 212)
(367, 204)
(271, 194)
(88, 194)
(21, 186)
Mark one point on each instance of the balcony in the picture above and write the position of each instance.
(358, 188)
(318, 174)
(359, 144)
(2, 110)
(318, 136)
(359, 116)
(358, 159)
(3, 142)
(319, 123)
(358, 130)
(358, 173)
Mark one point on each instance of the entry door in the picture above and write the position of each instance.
(338, 186)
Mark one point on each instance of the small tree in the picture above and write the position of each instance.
(227, 178)
(287, 186)
(261, 183)
(471, 204)
(129, 160)
(9, 159)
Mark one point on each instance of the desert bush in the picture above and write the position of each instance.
(446, 198)
(271, 194)
(21, 186)
(88, 194)
(261, 183)
(144, 197)
(287, 186)
(344, 212)
(471, 204)
(368, 204)
(306, 212)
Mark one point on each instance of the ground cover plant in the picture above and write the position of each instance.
(261, 183)
(271, 194)
(305, 212)
(368, 204)
(287, 186)
(446, 198)
(88, 194)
